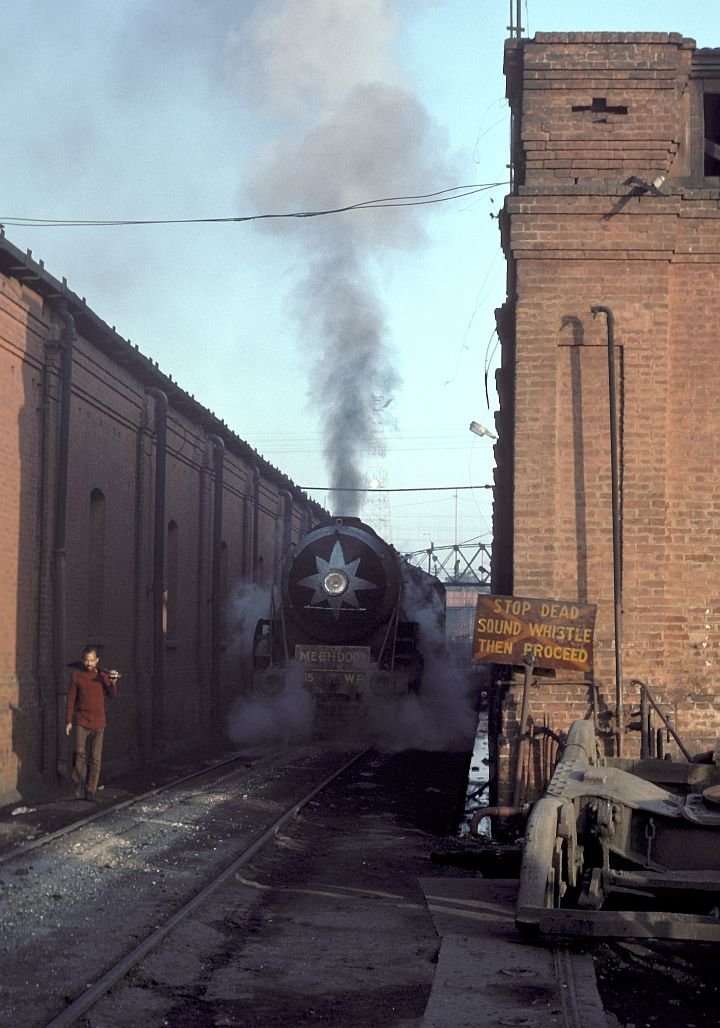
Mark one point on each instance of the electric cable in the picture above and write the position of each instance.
(441, 196)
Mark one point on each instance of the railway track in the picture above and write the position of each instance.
(284, 910)
(325, 924)
(120, 969)
(73, 899)
(77, 821)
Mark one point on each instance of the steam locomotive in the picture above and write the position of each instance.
(349, 617)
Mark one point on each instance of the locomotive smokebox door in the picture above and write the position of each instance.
(342, 582)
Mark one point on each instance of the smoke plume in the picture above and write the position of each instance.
(347, 129)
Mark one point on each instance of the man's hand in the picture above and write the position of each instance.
(68, 728)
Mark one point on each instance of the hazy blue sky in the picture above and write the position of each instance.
(287, 328)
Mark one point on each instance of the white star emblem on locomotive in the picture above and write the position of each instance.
(336, 582)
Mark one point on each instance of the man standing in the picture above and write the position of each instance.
(86, 710)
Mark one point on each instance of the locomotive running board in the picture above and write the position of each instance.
(628, 924)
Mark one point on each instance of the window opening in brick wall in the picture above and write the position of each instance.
(96, 567)
(171, 578)
(599, 105)
(711, 119)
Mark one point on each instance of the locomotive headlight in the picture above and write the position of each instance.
(335, 582)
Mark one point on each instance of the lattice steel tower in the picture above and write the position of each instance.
(377, 504)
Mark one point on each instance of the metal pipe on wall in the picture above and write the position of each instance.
(216, 587)
(286, 540)
(645, 726)
(67, 343)
(255, 523)
(616, 525)
(668, 727)
(158, 584)
(522, 810)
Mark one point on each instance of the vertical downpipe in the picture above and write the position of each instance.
(158, 585)
(286, 538)
(217, 599)
(60, 536)
(616, 527)
(255, 523)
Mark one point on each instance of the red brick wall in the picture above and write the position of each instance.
(567, 138)
(578, 234)
(20, 428)
(113, 451)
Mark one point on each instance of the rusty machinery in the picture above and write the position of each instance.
(621, 848)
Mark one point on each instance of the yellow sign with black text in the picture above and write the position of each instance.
(556, 633)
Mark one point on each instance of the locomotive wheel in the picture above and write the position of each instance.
(567, 856)
(567, 831)
(555, 888)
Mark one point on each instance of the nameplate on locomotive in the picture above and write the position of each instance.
(333, 658)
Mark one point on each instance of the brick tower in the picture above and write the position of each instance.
(614, 205)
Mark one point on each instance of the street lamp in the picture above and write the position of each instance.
(479, 429)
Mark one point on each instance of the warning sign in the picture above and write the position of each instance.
(557, 633)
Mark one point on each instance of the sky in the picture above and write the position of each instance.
(348, 348)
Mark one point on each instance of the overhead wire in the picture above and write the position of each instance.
(479, 300)
(483, 131)
(400, 489)
(440, 196)
(419, 200)
(489, 354)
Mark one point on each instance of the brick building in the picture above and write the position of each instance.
(129, 513)
(614, 204)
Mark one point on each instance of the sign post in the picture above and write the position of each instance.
(523, 737)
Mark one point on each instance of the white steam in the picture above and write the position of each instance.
(255, 719)
(267, 720)
(443, 714)
(248, 604)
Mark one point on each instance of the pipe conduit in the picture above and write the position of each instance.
(67, 343)
(158, 583)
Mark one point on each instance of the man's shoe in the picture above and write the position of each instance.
(79, 792)
(91, 797)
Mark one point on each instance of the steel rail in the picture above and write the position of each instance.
(575, 974)
(96, 815)
(98, 989)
